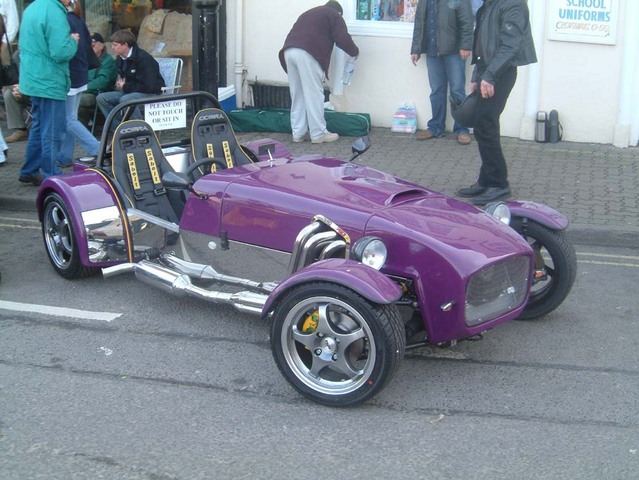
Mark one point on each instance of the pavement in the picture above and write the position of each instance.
(595, 186)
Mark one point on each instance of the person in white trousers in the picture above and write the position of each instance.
(305, 57)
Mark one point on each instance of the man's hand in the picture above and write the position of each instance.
(75, 36)
(15, 91)
(464, 54)
(486, 89)
(119, 83)
(414, 58)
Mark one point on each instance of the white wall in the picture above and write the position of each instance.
(580, 80)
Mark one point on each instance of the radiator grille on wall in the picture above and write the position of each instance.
(273, 95)
(269, 95)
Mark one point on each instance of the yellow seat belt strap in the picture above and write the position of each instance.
(227, 154)
(130, 159)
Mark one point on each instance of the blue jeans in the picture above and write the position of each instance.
(107, 101)
(47, 129)
(76, 132)
(445, 71)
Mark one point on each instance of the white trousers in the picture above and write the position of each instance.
(305, 79)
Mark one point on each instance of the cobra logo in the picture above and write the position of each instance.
(134, 129)
(214, 116)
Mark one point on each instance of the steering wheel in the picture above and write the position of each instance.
(218, 162)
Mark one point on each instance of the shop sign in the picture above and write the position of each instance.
(166, 115)
(586, 21)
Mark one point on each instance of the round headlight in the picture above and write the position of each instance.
(499, 210)
(370, 251)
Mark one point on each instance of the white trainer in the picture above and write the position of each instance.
(326, 138)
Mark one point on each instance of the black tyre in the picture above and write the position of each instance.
(555, 267)
(59, 234)
(334, 346)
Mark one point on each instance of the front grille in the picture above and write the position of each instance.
(497, 289)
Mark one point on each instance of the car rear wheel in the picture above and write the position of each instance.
(58, 232)
(334, 346)
(555, 268)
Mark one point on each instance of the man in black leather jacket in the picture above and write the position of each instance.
(503, 41)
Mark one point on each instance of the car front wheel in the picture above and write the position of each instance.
(334, 346)
(555, 268)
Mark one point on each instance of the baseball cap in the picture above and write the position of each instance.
(96, 37)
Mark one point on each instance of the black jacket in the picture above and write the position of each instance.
(502, 39)
(454, 27)
(78, 65)
(141, 72)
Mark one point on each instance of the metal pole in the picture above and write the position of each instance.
(205, 45)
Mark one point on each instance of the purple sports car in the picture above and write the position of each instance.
(349, 266)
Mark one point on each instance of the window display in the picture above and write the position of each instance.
(386, 10)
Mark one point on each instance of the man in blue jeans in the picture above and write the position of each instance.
(46, 46)
(443, 30)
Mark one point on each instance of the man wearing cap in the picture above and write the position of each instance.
(101, 79)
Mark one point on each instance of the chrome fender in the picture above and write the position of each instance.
(540, 213)
(366, 281)
(82, 192)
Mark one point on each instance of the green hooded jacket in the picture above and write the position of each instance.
(45, 50)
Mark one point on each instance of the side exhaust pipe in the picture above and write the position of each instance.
(179, 284)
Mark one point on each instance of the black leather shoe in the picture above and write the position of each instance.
(491, 194)
(472, 191)
(34, 179)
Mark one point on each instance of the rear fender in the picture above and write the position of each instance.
(542, 214)
(366, 281)
(83, 192)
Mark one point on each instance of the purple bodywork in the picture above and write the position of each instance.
(435, 241)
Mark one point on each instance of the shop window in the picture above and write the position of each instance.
(384, 18)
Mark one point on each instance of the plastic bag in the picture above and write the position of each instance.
(405, 118)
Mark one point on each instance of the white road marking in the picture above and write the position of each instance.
(20, 219)
(8, 225)
(58, 311)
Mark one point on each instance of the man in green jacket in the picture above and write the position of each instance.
(101, 79)
(46, 46)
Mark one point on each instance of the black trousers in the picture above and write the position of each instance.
(493, 172)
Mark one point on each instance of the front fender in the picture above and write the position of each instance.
(540, 213)
(366, 281)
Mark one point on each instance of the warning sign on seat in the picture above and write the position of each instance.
(166, 115)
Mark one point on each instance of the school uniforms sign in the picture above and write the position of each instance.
(585, 21)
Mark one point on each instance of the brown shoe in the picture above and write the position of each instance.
(463, 139)
(425, 135)
(17, 136)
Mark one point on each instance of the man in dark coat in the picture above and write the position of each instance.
(138, 73)
(305, 56)
(503, 41)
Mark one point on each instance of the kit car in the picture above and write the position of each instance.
(349, 266)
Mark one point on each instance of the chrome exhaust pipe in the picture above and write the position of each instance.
(206, 272)
(179, 284)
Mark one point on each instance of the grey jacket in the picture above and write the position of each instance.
(502, 39)
(454, 27)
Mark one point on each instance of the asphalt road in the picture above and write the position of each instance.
(170, 388)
